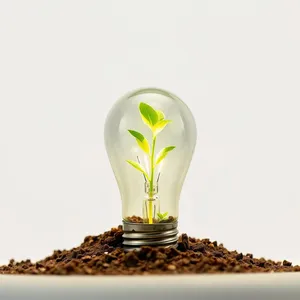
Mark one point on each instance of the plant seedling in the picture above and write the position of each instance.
(156, 122)
(162, 217)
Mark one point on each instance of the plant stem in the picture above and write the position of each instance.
(150, 217)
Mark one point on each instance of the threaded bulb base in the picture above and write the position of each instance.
(137, 235)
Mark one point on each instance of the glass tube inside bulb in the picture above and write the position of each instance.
(151, 196)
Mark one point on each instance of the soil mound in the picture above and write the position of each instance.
(104, 255)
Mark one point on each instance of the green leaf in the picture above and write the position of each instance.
(138, 167)
(160, 115)
(163, 153)
(141, 140)
(160, 126)
(162, 217)
(148, 114)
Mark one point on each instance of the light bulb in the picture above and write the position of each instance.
(150, 136)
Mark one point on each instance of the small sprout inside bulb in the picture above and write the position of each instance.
(155, 120)
(162, 217)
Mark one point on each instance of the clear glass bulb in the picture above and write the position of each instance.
(150, 136)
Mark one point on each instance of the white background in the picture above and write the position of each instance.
(64, 63)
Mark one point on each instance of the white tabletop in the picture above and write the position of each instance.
(208, 287)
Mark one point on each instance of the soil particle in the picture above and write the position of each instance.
(286, 263)
(104, 255)
(171, 267)
(131, 259)
(240, 256)
(198, 247)
(218, 254)
(183, 243)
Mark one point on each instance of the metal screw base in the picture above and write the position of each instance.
(138, 234)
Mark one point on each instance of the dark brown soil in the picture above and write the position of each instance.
(103, 255)
(136, 219)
